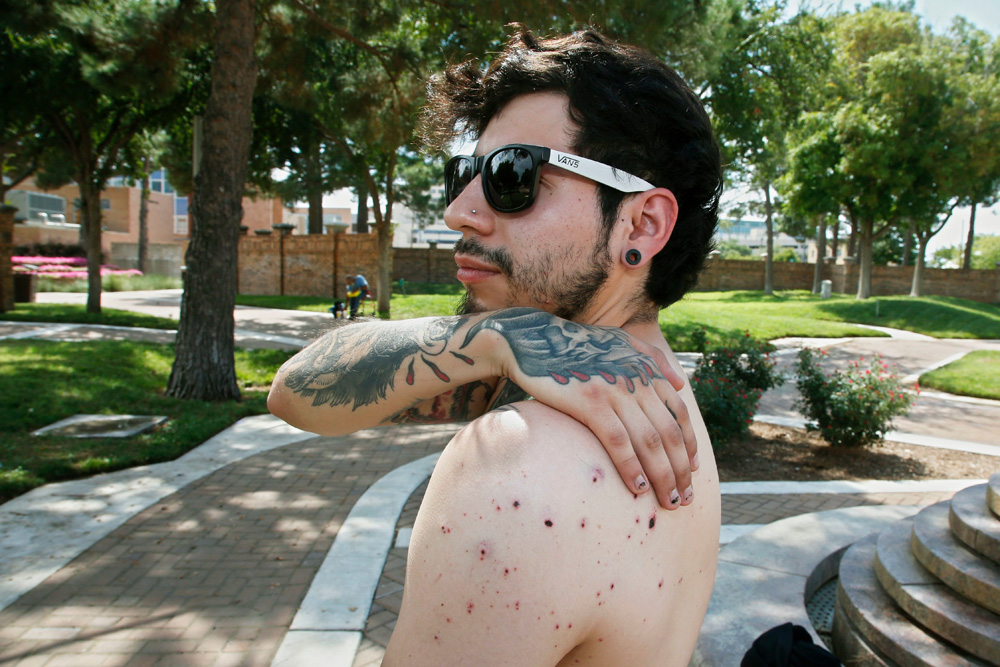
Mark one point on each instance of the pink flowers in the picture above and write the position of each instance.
(69, 268)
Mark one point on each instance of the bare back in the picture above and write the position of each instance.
(529, 550)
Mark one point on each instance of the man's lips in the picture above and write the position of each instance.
(471, 269)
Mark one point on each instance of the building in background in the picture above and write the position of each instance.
(752, 234)
(53, 217)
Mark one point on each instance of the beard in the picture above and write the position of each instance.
(549, 279)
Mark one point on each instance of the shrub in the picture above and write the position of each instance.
(852, 408)
(729, 382)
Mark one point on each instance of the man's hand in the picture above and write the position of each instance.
(621, 388)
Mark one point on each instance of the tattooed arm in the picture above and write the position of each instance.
(446, 369)
(375, 373)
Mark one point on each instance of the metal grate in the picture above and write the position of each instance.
(820, 609)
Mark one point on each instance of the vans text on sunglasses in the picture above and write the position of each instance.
(510, 175)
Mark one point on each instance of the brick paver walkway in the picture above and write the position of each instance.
(213, 574)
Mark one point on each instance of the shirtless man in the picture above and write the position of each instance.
(526, 550)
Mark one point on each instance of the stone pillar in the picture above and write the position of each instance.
(6, 252)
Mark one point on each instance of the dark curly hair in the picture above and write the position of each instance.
(633, 112)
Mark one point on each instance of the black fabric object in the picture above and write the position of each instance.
(787, 646)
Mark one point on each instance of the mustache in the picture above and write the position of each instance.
(498, 257)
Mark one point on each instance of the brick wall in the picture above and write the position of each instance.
(423, 265)
(309, 264)
(976, 285)
(6, 252)
(306, 265)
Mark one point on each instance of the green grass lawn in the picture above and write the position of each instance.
(800, 313)
(77, 314)
(42, 382)
(110, 283)
(975, 374)
(420, 300)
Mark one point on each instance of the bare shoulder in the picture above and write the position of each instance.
(529, 548)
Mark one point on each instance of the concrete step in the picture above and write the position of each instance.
(929, 602)
(864, 609)
(974, 524)
(851, 648)
(951, 561)
(993, 493)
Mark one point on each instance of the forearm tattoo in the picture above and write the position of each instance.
(546, 346)
(360, 365)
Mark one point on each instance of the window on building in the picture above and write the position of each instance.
(158, 182)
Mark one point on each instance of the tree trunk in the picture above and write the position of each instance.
(204, 367)
(362, 221)
(143, 243)
(918, 267)
(865, 246)
(820, 255)
(90, 224)
(314, 185)
(907, 244)
(383, 227)
(836, 239)
(967, 258)
(769, 259)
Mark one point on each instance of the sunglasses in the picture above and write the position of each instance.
(510, 175)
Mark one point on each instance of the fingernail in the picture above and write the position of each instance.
(640, 483)
(695, 462)
(674, 497)
(689, 494)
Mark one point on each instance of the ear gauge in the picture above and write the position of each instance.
(633, 256)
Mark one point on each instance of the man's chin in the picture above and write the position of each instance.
(468, 304)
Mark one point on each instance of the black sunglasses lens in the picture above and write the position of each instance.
(509, 179)
(458, 174)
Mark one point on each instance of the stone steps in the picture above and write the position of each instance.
(993, 494)
(952, 562)
(974, 524)
(925, 590)
(929, 602)
(867, 612)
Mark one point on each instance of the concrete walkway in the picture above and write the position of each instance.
(266, 543)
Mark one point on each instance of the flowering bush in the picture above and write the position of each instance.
(728, 384)
(71, 268)
(852, 408)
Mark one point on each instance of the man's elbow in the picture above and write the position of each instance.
(280, 404)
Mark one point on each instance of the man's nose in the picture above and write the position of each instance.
(469, 212)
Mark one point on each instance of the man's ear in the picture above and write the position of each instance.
(652, 217)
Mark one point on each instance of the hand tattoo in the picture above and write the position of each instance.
(544, 345)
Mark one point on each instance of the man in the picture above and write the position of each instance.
(526, 550)
(357, 288)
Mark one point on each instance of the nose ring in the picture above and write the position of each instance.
(473, 211)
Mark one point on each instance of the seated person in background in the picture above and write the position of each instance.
(590, 204)
(357, 289)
